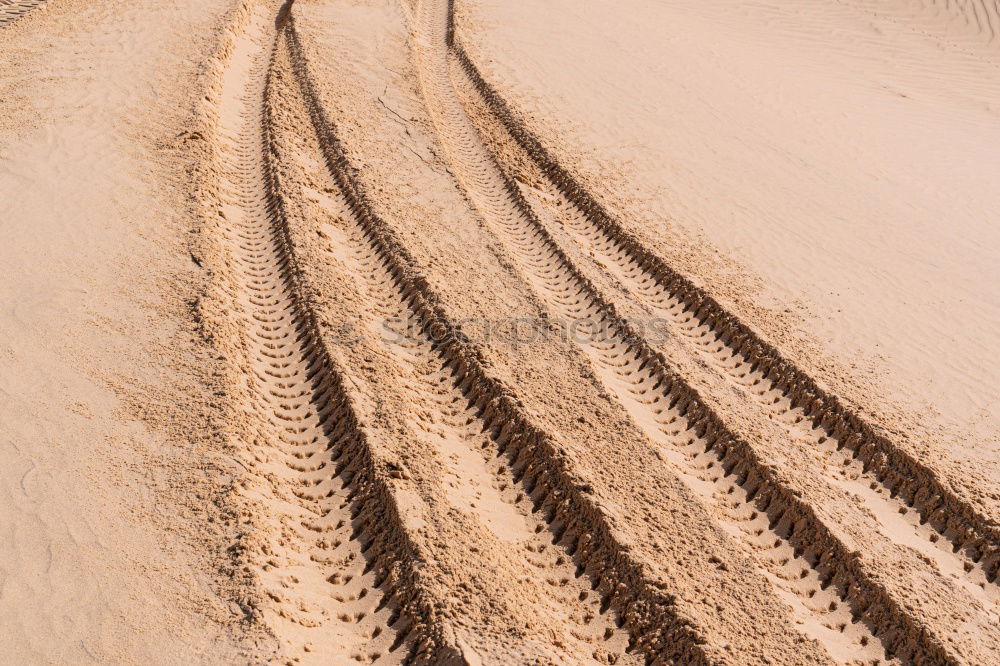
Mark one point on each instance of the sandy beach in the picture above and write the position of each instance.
(480, 332)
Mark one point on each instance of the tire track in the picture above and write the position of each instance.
(840, 465)
(11, 10)
(529, 469)
(906, 497)
(321, 549)
(477, 479)
(295, 415)
(794, 549)
(446, 418)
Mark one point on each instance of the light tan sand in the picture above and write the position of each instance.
(827, 167)
(113, 537)
(433, 332)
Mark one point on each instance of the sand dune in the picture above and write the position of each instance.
(435, 332)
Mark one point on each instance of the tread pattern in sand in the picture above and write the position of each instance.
(445, 411)
(315, 573)
(320, 547)
(649, 391)
(895, 517)
(760, 371)
(525, 464)
(747, 359)
(340, 568)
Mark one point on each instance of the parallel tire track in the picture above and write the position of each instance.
(758, 368)
(447, 416)
(339, 560)
(838, 463)
(765, 514)
(842, 465)
(536, 464)
(628, 368)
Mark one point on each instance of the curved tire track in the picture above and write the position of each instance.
(339, 560)
(768, 516)
(840, 465)
(843, 468)
(536, 464)
(760, 371)
(447, 418)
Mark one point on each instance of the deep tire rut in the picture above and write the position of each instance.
(322, 579)
(333, 560)
(343, 570)
(843, 465)
(840, 464)
(572, 534)
(962, 541)
(445, 414)
(835, 601)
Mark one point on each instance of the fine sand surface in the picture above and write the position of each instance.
(481, 332)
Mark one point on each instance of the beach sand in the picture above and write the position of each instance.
(479, 332)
